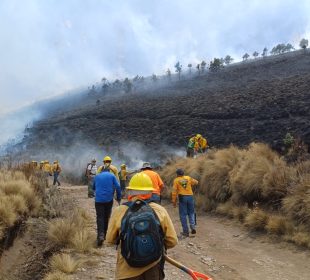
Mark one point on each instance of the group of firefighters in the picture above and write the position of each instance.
(48, 169)
(197, 145)
(106, 184)
(141, 226)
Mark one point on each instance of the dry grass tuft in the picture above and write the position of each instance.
(56, 276)
(225, 209)
(301, 239)
(297, 204)
(72, 232)
(83, 241)
(256, 220)
(65, 263)
(277, 225)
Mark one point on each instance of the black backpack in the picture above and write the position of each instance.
(141, 238)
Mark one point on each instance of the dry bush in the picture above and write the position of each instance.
(256, 220)
(65, 263)
(215, 179)
(301, 239)
(56, 276)
(240, 212)
(8, 216)
(72, 232)
(18, 203)
(60, 232)
(297, 204)
(83, 241)
(225, 209)
(277, 225)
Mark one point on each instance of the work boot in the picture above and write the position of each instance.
(183, 235)
(193, 231)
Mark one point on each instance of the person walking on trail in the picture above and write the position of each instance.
(47, 168)
(123, 178)
(91, 171)
(156, 180)
(107, 163)
(182, 189)
(142, 230)
(105, 185)
(202, 144)
(56, 168)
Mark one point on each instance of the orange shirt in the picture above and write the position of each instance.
(156, 180)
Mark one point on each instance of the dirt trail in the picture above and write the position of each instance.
(220, 249)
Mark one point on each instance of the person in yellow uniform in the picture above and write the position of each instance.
(182, 189)
(107, 163)
(151, 260)
(202, 145)
(41, 166)
(34, 164)
(47, 168)
(123, 178)
(56, 168)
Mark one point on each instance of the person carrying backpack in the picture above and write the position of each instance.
(91, 171)
(143, 230)
(182, 188)
(56, 171)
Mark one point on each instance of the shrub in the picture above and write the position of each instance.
(56, 276)
(256, 220)
(277, 224)
(64, 263)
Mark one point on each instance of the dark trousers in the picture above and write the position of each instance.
(56, 174)
(154, 273)
(103, 213)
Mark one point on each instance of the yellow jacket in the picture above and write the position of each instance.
(123, 270)
(182, 185)
(47, 168)
(56, 167)
(113, 170)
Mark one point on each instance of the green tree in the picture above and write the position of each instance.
(255, 54)
(289, 47)
(228, 59)
(154, 78)
(203, 66)
(168, 74)
(178, 69)
(303, 43)
(265, 52)
(190, 68)
(127, 85)
(216, 65)
(245, 56)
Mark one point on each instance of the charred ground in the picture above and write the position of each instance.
(260, 100)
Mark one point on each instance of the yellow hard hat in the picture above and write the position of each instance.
(123, 165)
(107, 158)
(42, 162)
(140, 182)
(55, 161)
(34, 161)
(46, 161)
(198, 136)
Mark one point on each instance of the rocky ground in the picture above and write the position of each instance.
(245, 102)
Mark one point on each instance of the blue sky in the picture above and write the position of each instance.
(48, 47)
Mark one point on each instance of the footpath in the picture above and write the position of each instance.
(220, 249)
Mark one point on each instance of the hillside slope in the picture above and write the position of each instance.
(260, 100)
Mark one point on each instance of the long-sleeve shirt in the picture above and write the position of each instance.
(156, 180)
(123, 270)
(183, 185)
(105, 184)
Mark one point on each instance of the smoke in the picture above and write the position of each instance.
(50, 47)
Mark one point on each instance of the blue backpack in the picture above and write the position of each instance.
(141, 237)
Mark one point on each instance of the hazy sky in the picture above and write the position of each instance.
(50, 46)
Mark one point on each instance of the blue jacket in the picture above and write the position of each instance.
(104, 186)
